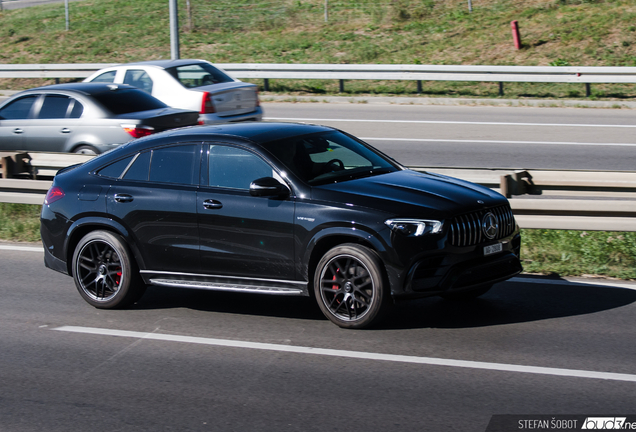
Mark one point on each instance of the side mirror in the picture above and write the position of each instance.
(268, 187)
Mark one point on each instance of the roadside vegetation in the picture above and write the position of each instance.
(553, 32)
(563, 253)
(20, 222)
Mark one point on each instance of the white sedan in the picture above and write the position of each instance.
(190, 84)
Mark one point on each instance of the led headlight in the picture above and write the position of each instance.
(414, 227)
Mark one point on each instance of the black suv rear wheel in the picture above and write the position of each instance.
(104, 271)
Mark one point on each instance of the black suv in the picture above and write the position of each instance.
(274, 208)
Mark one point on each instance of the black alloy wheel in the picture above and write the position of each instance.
(350, 287)
(104, 273)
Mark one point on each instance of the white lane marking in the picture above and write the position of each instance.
(565, 143)
(21, 248)
(453, 122)
(502, 367)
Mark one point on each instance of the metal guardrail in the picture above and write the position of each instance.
(79, 70)
(557, 199)
(266, 71)
(544, 199)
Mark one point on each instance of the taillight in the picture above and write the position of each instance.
(138, 131)
(207, 107)
(54, 194)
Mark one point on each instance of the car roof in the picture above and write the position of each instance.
(165, 64)
(258, 132)
(254, 132)
(82, 87)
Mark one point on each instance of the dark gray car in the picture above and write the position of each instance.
(84, 118)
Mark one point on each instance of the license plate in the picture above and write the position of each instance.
(492, 249)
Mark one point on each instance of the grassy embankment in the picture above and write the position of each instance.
(554, 32)
(566, 253)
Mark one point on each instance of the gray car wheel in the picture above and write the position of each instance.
(86, 149)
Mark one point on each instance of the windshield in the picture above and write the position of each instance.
(198, 75)
(329, 157)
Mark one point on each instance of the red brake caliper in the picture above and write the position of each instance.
(335, 286)
(118, 277)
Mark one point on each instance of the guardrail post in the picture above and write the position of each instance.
(4, 160)
(516, 183)
(504, 181)
(588, 90)
(265, 84)
(501, 89)
(341, 86)
(419, 87)
(13, 163)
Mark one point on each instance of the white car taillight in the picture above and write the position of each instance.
(207, 107)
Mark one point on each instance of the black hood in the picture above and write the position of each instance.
(409, 193)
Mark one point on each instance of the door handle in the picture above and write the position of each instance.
(123, 198)
(65, 130)
(17, 131)
(212, 204)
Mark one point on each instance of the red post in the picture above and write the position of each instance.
(515, 34)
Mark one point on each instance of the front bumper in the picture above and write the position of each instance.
(459, 269)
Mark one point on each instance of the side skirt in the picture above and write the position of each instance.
(225, 283)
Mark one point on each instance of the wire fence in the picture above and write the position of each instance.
(263, 15)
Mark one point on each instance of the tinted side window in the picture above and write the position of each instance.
(177, 164)
(115, 169)
(106, 77)
(235, 168)
(139, 169)
(18, 109)
(139, 79)
(54, 107)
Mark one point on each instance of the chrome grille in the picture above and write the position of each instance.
(466, 230)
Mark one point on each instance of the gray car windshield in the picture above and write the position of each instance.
(329, 157)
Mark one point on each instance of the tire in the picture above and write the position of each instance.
(467, 295)
(86, 149)
(350, 287)
(104, 271)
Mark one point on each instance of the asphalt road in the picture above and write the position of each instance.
(482, 137)
(185, 360)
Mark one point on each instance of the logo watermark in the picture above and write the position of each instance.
(509, 423)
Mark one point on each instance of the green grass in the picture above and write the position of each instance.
(20, 222)
(576, 253)
(564, 253)
(553, 32)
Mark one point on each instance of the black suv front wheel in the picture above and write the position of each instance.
(349, 286)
